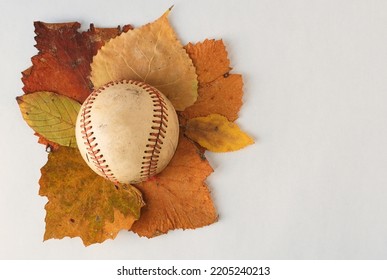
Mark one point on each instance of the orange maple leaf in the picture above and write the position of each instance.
(177, 198)
(219, 91)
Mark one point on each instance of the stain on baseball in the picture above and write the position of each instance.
(127, 131)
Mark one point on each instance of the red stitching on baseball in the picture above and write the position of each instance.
(156, 136)
(155, 140)
(93, 153)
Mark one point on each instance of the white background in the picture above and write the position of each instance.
(314, 186)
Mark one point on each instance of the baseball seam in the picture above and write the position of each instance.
(93, 152)
(157, 134)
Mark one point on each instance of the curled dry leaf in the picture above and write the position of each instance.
(51, 115)
(151, 54)
(219, 91)
(83, 204)
(217, 134)
(177, 198)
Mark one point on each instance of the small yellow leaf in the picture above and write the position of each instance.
(217, 134)
(151, 54)
(51, 115)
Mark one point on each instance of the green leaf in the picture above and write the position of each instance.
(51, 115)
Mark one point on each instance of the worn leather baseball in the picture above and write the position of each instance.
(127, 131)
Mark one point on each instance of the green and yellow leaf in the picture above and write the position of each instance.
(51, 115)
(217, 134)
(151, 54)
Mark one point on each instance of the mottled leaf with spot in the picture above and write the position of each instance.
(82, 203)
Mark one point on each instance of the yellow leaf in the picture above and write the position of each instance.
(217, 134)
(51, 115)
(151, 54)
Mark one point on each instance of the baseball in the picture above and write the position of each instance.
(127, 131)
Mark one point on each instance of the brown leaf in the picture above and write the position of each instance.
(219, 92)
(177, 198)
(63, 62)
(83, 204)
(99, 36)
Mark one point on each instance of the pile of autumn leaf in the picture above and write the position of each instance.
(194, 77)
